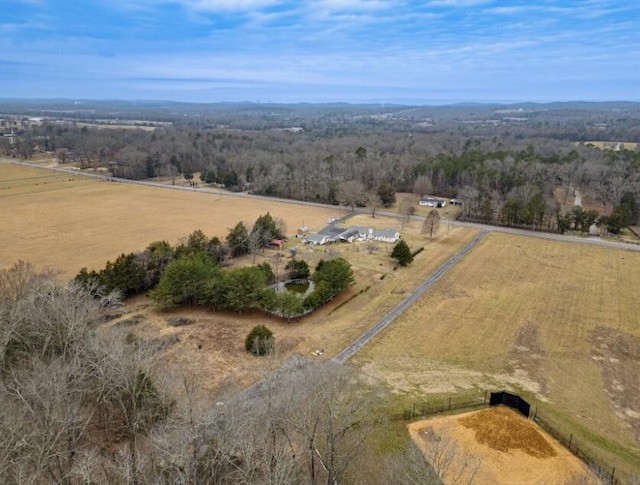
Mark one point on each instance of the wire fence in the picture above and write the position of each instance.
(606, 474)
(453, 403)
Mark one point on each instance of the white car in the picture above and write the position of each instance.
(331, 221)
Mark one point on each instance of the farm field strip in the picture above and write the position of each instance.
(86, 221)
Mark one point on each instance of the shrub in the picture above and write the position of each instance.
(297, 269)
(259, 341)
(401, 253)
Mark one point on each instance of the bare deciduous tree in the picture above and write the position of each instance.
(431, 223)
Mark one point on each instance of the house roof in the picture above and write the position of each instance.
(385, 233)
(355, 231)
(316, 238)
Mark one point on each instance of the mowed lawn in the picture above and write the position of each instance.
(556, 321)
(68, 222)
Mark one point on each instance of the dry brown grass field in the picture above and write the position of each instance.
(67, 222)
(610, 145)
(499, 446)
(555, 321)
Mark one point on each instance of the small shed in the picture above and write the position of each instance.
(302, 232)
(277, 243)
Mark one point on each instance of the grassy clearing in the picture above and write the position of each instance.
(559, 323)
(611, 145)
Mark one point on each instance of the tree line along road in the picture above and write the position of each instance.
(594, 241)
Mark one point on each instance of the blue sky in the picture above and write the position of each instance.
(321, 50)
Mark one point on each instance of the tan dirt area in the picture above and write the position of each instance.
(508, 449)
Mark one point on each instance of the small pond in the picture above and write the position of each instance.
(300, 287)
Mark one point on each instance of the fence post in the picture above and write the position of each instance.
(613, 472)
(570, 440)
(485, 397)
(449, 403)
(413, 410)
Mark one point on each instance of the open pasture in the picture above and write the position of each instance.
(67, 222)
(558, 322)
(497, 445)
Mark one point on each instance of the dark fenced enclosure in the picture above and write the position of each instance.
(512, 400)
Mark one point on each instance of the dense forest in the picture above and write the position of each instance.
(514, 165)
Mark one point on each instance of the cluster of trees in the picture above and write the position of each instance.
(136, 273)
(502, 175)
(197, 279)
(331, 277)
(623, 215)
(191, 273)
(82, 405)
(515, 174)
(64, 386)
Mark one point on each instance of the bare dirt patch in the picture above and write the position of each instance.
(617, 354)
(527, 355)
(508, 447)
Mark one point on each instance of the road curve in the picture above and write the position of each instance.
(349, 352)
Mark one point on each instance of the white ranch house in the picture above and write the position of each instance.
(356, 233)
(432, 202)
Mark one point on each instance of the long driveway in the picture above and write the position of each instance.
(347, 353)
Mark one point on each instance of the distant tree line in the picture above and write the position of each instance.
(522, 174)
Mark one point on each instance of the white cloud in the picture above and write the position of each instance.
(203, 5)
(352, 4)
(228, 5)
(457, 3)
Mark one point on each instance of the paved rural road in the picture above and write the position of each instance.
(593, 241)
(347, 353)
